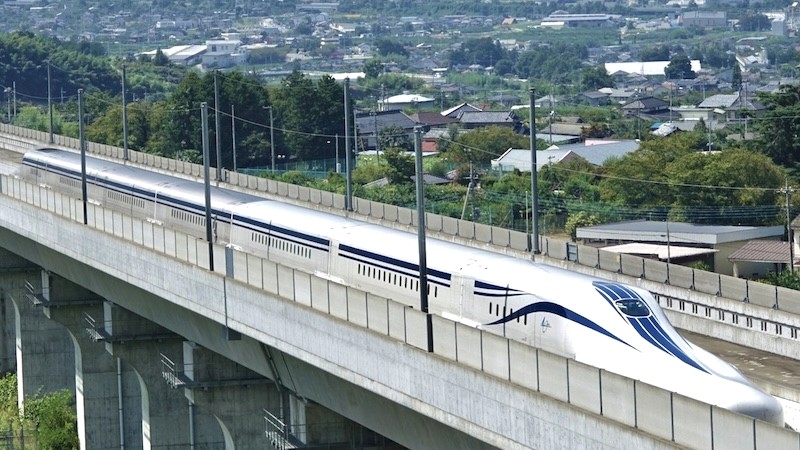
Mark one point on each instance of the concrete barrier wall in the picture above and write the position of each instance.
(658, 412)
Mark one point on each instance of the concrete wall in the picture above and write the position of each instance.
(502, 392)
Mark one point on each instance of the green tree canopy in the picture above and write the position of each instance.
(779, 129)
(484, 144)
(679, 67)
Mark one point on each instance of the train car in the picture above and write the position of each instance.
(602, 323)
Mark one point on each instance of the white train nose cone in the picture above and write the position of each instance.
(763, 407)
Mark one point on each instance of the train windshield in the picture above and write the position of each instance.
(633, 307)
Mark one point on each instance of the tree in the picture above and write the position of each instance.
(400, 165)
(593, 78)
(373, 68)
(736, 80)
(388, 47)
(658, 53)
(396, 137)
(577, 220)
(484, 51)
(161, 59)
(779, 130)
(742, 187)
(55, 420)
(484, 144)
(754, 22)
(679, 67)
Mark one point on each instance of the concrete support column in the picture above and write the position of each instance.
(45, 351)
(99, 388)
(14, 271)
(234, 395)
(167, 420)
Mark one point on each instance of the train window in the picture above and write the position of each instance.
(793, 332)
(633, 307)
(525, 319)
(490, 308)
(749, 321)
(436, 291)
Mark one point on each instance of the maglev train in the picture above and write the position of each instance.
(605, 324)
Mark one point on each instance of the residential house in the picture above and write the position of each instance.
(593, 151)
(761, 256)
(432, 119)
(479, 119)
(506, 100)
(455, 111)
(730, 107)
(594, 98)
(565, 129)
(644, 105)
(369, 124)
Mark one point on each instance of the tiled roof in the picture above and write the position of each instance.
(487, 117)
(762, 250)
(719, 101)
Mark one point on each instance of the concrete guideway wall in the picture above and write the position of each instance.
(456, 394)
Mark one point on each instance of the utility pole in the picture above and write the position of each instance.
(271, 139)
(124, 118)
(82, 140)
(217, 128)
(534, 182)
(233, 137)
(423, 264)
(348, 201)
(789, 235)
(50, 102)
(207, 184)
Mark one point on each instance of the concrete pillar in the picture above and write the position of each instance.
(45, 351)
(234, 395)
(168, 420)
(100, 395)
(14, 271)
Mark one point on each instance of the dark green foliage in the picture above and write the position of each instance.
(388, 47)
(483, 51)
(55, 420)
(593, 78)
(658, 53)
(551, 62)
(779, 127)
(679, 67)
(401, 166)
(754, 22)
(788, 279)
(24, 57)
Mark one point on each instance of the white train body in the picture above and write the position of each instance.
(606, 324)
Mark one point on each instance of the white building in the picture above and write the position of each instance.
(224, 53)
